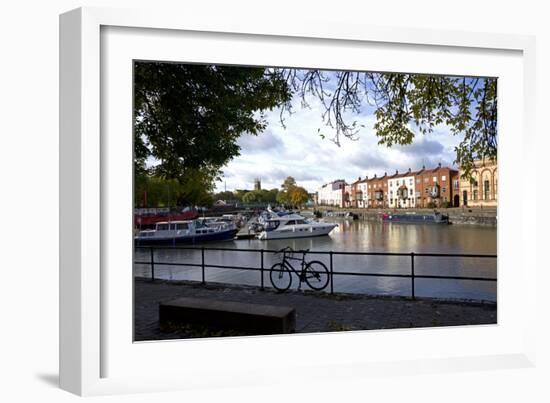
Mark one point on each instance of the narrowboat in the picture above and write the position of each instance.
(433, 218)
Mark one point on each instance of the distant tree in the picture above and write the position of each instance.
(282, 197)
(156, 191)
(291, 194)
(298, 196)
(288, 183)
(251, 197)
(239, 193)
(271, 196)
(225, 195)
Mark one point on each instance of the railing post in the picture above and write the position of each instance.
(152, 264)
(262, 269)
(331, 275)
(202, 265)
(412, 275)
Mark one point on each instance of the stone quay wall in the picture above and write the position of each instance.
(457, 215)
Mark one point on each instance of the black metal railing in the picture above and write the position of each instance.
(412, 255)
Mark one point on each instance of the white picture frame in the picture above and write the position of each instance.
(88, 318)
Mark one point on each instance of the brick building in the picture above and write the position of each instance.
(377, 189)
(434, 186)
(360, 192)
(426, 188)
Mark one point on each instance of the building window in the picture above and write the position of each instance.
(425, 180)
(418, 180)
(435, 178)
(443, 178)
(475, 195)
(486, 190)
(410, 192)
(442, 190)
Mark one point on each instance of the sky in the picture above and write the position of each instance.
(298, 150)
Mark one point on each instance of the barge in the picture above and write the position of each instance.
(434, 218)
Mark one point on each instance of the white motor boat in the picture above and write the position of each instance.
(294, 226)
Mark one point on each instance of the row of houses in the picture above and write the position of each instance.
(441, 186)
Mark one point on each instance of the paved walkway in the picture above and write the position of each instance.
(315, 311)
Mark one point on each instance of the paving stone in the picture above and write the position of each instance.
(315, 311)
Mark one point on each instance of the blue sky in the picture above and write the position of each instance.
(300, 152)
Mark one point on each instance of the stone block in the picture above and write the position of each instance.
(228, 315)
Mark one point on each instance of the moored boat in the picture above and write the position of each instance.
(189, 231)
(148, 218)
(294, 226)
(433, 218)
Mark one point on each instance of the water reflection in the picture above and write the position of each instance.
(362, 236)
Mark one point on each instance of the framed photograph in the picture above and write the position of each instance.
(235, 194)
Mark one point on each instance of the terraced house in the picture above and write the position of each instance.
(377, 188)
(434, 187)
(360, 193)
(426, 188)
(401, 190)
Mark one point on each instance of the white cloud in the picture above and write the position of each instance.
(299, 151)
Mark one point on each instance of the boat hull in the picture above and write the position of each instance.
(295, 233)
(187, 239)
(416, 218)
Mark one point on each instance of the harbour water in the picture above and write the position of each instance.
(355, 236)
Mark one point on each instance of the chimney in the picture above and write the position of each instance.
(375, 175)
(423, 167)
(396, 171)
(359, 178)
(439, 165)
(409, 169)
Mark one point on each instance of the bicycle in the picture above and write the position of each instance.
(314, 272)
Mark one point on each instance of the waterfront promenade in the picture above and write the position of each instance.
(316, 311)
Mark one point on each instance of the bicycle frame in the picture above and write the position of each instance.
(313, 270)
(288, 265)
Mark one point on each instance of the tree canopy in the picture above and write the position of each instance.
(249, 196)
(292, 194)
(188, 117)
(155, 191)
(405, 104)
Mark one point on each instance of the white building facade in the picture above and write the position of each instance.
(402, 191)
(332, 194)
(362, 193)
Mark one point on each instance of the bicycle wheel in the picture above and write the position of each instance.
(280, 277)
(316, 275)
